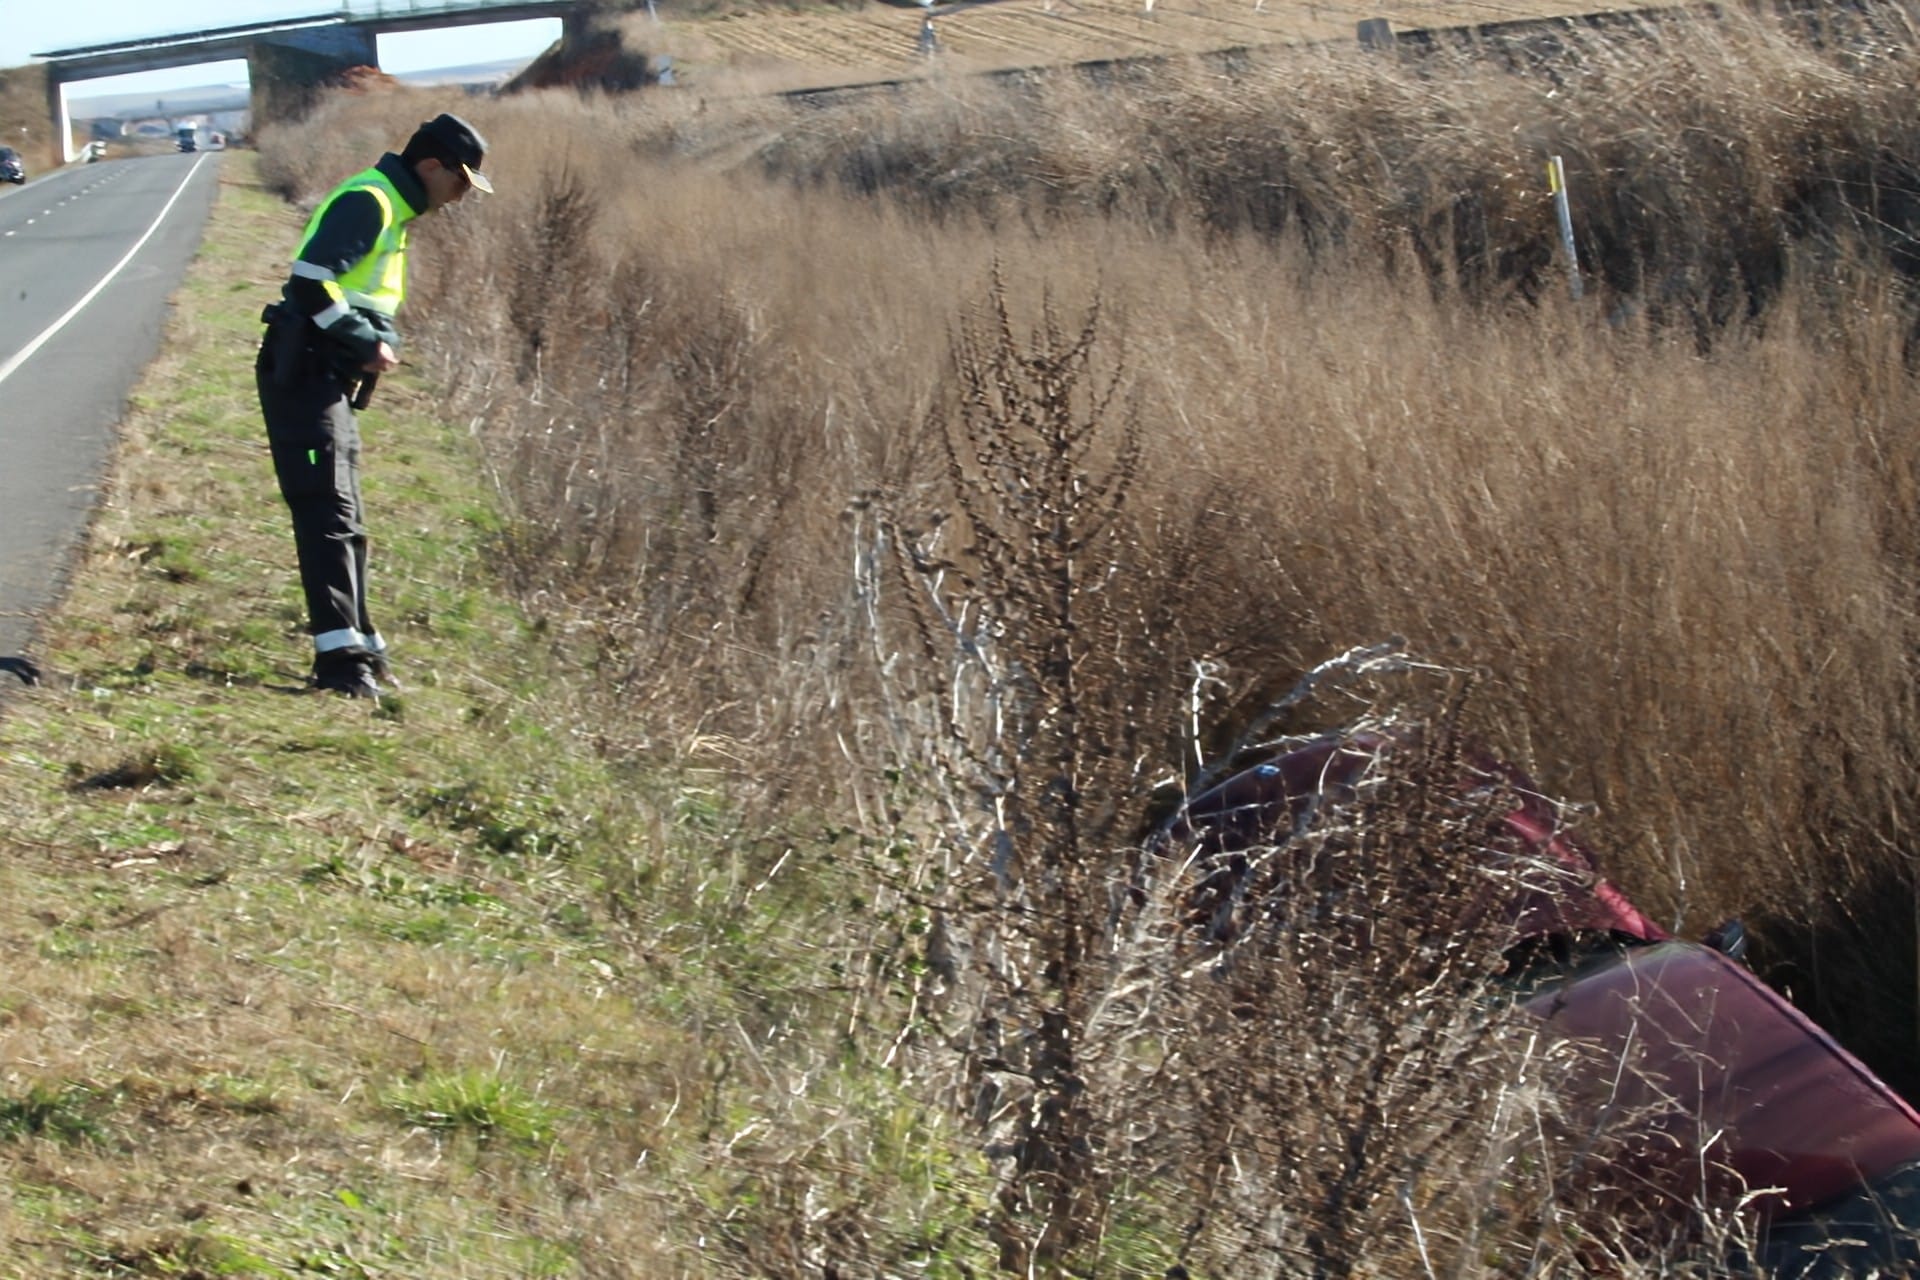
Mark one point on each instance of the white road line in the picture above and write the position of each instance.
(7, 369)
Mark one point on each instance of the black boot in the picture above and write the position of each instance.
(381, 668)
(348, 672)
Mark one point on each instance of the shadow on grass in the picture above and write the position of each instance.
(167, 764)
(225, 677)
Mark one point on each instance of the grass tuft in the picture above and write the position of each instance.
(165, 764)
(475, 1102)
(60, 1113)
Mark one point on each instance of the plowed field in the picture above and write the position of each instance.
(884, 41)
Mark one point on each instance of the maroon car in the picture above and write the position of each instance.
(1720, 1074)
(1709, 1058)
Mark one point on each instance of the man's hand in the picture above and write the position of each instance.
(384, 359)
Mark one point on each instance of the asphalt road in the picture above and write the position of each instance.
(88, 257)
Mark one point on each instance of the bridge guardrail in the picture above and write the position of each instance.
(363, 10)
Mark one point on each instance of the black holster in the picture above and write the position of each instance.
(286, 352)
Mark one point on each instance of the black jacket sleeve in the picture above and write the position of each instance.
(347, 233)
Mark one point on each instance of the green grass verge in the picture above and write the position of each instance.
(296, 986)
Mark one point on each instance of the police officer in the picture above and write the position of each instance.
(327, 342)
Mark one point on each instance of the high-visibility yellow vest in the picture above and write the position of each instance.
(378, 282)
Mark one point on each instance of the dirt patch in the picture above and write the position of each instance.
(595, 59)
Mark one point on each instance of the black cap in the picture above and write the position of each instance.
(460, 143)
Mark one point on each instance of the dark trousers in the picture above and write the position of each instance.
(316, 457)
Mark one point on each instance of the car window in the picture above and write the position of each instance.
(6, 153)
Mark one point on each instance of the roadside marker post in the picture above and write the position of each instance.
(1557, 183)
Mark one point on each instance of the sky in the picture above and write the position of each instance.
(37, 26)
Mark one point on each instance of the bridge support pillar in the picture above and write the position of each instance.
(61, 117)
(290, 69)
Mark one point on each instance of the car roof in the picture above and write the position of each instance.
(1256, 804)
(1717, 1068)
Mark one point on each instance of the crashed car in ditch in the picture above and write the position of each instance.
(1724, 1078)
(12, 168)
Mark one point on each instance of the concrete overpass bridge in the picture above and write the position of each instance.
(288, 59)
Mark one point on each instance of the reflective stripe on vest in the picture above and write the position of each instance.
(378, 282)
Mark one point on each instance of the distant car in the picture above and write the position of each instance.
(1726, 1078)
(12, 168)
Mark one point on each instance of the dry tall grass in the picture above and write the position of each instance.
(1673, 526)
(24, 125)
